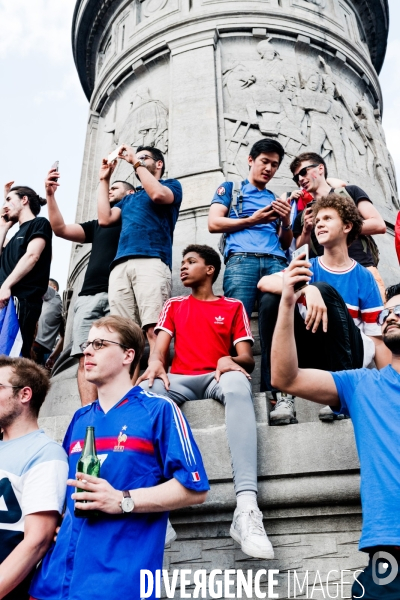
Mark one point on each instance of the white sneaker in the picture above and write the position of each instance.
(170, 536)
(247, 529)
(326, 414)
(283, 413)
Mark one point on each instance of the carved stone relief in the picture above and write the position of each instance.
(296, 97)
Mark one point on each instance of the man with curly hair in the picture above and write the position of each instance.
(335, 318)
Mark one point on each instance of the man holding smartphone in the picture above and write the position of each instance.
(335, 318)
(92, 302)
(258, 230)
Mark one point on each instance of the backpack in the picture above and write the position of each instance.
(237, 198)
(367, 241)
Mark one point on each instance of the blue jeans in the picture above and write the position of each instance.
(244, 271)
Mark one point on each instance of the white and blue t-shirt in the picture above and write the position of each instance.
(372, 399)
(142, 441)
(262, 238)
(33, 476)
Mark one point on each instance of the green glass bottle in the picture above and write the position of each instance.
(89, 464)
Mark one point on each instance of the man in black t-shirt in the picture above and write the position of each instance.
(92, 302)
(310, 173)
(25, 259)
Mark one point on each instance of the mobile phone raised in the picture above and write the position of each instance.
(113, 156)
(295, 254)
(55, 166)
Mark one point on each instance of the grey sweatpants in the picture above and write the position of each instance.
(234, 392)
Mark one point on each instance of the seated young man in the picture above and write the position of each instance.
(372, 398)
(206, 327)
(310, 173)
(335, 318)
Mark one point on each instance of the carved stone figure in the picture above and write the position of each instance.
(237, 79)
(379, 162)
(320, 3)
(147, 122)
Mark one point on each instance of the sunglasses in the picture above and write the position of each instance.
(302, 173)
(383, 315)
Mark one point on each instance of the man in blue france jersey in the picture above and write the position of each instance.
(371, 397)
(335, 318)
(150, 464)
(258, 230)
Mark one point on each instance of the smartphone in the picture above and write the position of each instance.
(295, 254)
(55, 166)
(113, 156)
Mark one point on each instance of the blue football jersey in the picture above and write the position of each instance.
(144, 440)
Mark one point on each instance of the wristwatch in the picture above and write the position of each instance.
(139, 163)
(127, 504)
(286, 228)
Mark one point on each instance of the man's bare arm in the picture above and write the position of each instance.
(106, 214)
(312, 384)
(39, 532)
(373, 222)
(158, 361)
(218, 222)
(170, 495)
(271, 283)
(72, 232)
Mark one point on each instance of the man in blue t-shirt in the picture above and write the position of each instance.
(140, 279)
(372, 399)
(258, 229)
(335, 318)
(150, 464)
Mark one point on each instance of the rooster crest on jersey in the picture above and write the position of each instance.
(122, 437)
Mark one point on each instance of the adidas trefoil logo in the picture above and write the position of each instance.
(219, 320)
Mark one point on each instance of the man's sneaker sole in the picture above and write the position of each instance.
(250, 550)
(284, 421)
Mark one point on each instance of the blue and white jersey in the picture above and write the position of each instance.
(33, 475)
(142, 441)
(263, 237)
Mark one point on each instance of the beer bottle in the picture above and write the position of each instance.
(89, 464)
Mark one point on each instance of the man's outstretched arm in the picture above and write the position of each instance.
(72, 232)
(158, 361)
(312, 384)
(170, 495)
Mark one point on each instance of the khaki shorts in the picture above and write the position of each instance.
(87, 309)
(138, 288)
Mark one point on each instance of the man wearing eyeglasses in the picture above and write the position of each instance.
(371, 397)
(310, 173)
(33, 475)
(140, 279)
(150, 464)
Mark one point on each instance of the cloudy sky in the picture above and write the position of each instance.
(44, 111)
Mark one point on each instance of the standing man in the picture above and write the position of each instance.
(371, 397)
(258, 230)
(25, 260)
(33, 475)
(140, 280)
(310, 173)
(51, 323)
(92, 302)
(206, 328)
(150, 465)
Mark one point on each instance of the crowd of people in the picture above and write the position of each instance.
(329, 333)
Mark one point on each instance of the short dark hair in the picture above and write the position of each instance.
(130, 335)
(26, 373)
(35, 201)
(126, 185)
(267, 145)
(208, 254)
(155, 153)
(346, 210)
(55, 283)
(393, 290)
(313, 157)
